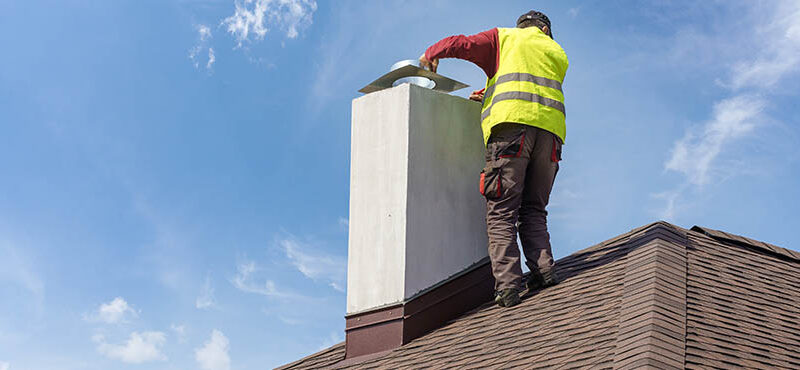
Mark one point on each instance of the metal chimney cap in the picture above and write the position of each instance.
(409, 71)
(403, 63)
(415, 80)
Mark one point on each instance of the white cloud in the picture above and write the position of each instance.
(140, 347)
(289, 320)
(573, 12)
(671, 202)
(180, 332)
(206, 298)
(4, 365)
(204, 36)
(315, 265)
(773, 55)
(244, 281)
(777, 52)
(694, 155)
(204, 32)
(193, 53)
(211, 58)
(214, 353)
(344, 222)
(255, 17)
(312, 264)
(116, 311)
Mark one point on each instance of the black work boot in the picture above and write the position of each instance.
(507, 297)
(541, 280)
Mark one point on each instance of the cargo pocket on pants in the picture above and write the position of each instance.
(555, 155)
(491, 185)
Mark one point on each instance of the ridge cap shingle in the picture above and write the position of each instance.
(652, 314)
(772, 249)
(624, 238)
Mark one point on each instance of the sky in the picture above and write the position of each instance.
(174, 174)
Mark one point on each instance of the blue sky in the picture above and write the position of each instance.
(174, 174)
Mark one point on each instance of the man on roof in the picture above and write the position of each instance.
(523, 123)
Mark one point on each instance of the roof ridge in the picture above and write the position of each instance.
(741, 240)
(625, 238)
(652, 316)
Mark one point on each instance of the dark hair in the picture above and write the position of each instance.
(535, 23)
(535, 19)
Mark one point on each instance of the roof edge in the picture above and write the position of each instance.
(315, 354)
(770, 249)
(659, 230)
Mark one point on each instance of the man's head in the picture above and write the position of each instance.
(535, 19)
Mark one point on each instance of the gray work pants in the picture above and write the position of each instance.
(521, 165)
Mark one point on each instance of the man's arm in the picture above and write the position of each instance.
(477, 95)
(481, 49)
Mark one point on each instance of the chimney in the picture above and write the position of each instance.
(418, 246)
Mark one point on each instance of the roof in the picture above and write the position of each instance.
(659, 295)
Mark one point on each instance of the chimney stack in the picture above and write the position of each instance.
(418, 246)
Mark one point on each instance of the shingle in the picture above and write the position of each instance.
(323, 358)
(737, 320)
(658, 296)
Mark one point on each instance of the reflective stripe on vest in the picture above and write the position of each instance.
(521, 95)
(527, 87)
(523, 77)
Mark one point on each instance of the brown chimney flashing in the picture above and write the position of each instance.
(389, 327)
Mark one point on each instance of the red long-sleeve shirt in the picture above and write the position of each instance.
(483, 49)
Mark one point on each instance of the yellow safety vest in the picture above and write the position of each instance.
(527, 86)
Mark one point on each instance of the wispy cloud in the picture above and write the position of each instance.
(252, 19)
(211, 58)
(204, 32)
(250, 22)
(779, 54)
(671, 206)
(213, 355)
(204, 36)
(180, 332)
(19, 269)
(306, 257)
(316, 265)
(695, 154)
(288, 320)
(739, 117)
(4, 365)
(114, 312)
(290, 301)
(139, 348)
(246, 282)
(206, 298)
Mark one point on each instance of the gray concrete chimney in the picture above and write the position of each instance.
(418, 245)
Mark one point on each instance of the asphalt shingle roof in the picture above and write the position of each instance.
(659, 296)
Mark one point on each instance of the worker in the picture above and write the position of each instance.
(523, 123)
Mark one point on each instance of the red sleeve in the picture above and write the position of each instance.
(481, 49)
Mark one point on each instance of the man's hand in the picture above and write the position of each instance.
(430, 65)
(477, 95)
